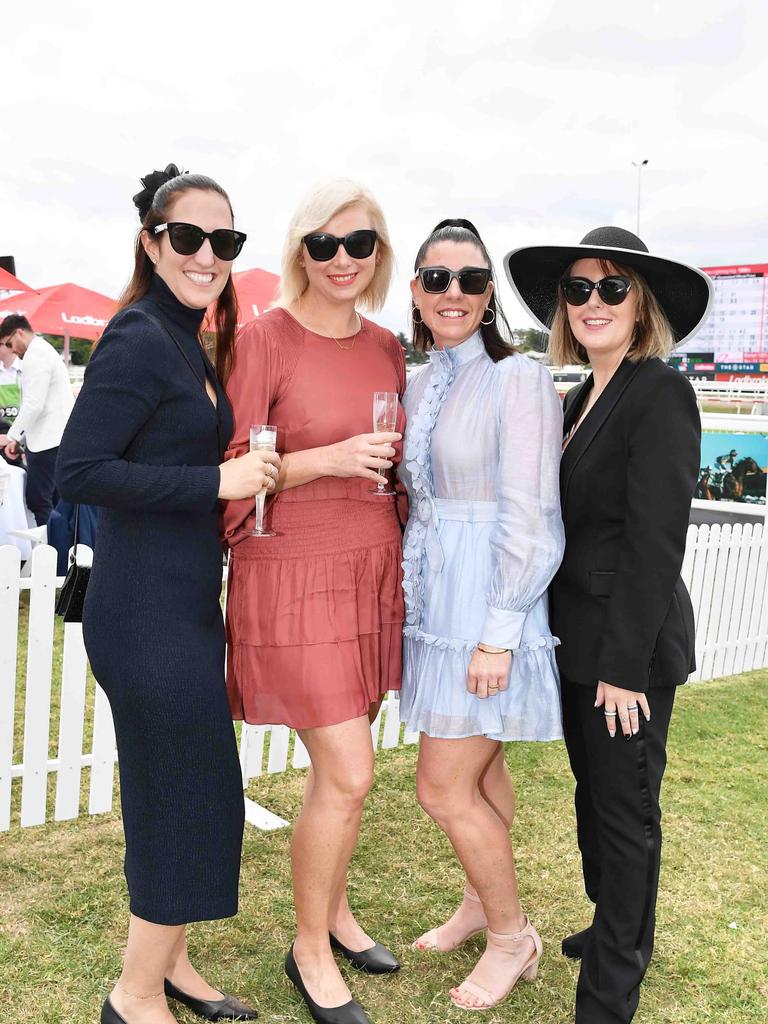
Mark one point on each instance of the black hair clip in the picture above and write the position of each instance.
(152, 182)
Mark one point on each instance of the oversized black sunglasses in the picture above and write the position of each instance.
(472, 280)
(187, 239)
(323, 247)
(612, 289)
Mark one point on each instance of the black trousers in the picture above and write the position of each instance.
(41, 493)
(618, 823)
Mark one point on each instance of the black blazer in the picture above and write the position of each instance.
(627, 477)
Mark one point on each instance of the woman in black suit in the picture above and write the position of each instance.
(623, 615)
(146, 442)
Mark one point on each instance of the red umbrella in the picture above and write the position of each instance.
(9, 283)
(256, 291)
(63, 309)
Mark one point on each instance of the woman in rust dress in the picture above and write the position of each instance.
(315, 613)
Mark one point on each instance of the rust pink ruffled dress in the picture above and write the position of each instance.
(314, 615)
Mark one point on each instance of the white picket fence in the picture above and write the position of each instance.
(725, 568)
(84, 707)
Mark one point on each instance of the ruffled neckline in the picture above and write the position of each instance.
(459, 354)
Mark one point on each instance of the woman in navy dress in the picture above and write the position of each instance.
(145, 442)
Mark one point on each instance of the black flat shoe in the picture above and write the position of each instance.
(347, 1013)
(376, 960)
(573, 945)
(228, 1008)
(109, 1014)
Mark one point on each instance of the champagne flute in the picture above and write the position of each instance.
(384, 422)
(263, 438)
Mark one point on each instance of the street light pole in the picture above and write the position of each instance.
(639, 165)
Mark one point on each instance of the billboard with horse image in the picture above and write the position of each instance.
(733, 466)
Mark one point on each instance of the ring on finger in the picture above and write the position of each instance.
(610, 714)
(631, 707)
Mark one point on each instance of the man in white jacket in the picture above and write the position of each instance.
(46, 402)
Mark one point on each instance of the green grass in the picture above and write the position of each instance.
(63, 909)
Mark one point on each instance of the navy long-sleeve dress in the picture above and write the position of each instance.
(144, 443)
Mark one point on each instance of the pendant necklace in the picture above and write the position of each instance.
(348, 348)
(345, 348)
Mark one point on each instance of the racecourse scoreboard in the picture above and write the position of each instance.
(736, 332)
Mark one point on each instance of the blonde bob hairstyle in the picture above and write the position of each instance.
(322, 203)
(653, 334)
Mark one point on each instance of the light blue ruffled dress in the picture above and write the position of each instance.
(483, 541)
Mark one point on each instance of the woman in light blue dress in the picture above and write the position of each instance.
(483, 541)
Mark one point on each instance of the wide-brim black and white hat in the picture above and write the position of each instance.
(684, 293)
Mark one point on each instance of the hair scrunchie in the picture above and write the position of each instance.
(152, 183)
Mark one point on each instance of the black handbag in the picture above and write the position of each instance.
(72, 594)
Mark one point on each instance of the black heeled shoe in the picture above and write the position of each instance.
(376, 960)
(228, 1008)
(109, 1014)
(573, 945)
(347, 1013)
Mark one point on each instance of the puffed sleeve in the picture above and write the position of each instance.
(661, 471)
(527, 541)
(124, 383)
(254, 381)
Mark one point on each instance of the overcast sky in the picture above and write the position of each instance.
(524, 117)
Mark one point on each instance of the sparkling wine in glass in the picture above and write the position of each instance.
(384, 422)
(263, 438)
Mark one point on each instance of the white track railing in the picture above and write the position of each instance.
(60, 775)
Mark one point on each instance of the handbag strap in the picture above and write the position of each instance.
(73, 555)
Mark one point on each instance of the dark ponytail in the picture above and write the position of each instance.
(496, 335)
(154, 203)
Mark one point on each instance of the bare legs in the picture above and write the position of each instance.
(324, 839)
(465, 788)
(153, 953)
(496, 788)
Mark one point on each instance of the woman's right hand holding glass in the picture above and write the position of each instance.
(248, 475)
(362, 455)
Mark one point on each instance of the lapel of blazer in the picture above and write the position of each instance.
(573, 401)
(594, 420)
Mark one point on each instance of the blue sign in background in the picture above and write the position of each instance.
(729, 479)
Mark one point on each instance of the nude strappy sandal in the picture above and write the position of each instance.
(491, 997)
(431, 940)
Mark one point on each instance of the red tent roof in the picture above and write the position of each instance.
(9, 283)
(63, 309)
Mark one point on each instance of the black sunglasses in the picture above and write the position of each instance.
(323, 247)
(472, 280)
(187, 239)
(612, 290)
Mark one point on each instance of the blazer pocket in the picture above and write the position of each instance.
(601, 583)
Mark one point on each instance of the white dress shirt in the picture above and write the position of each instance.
(9, 374)
(46, 398)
